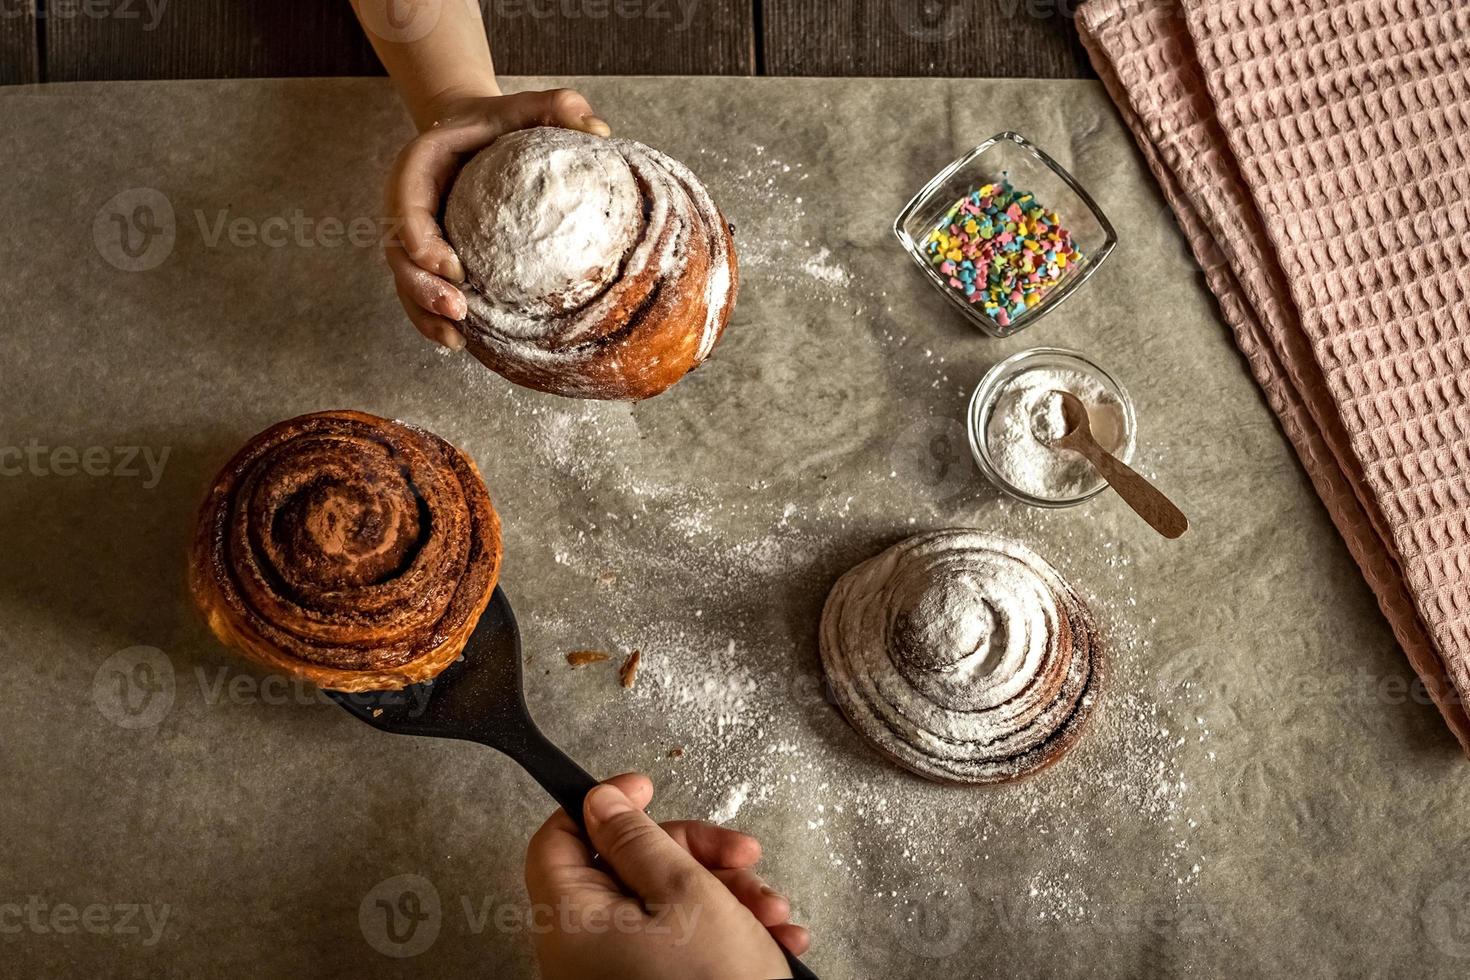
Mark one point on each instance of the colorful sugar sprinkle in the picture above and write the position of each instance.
(998, 247)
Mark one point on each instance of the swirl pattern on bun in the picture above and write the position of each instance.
(347, 550)
(595, 268)
(963, 656)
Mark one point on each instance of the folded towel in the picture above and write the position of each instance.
(1317, 156)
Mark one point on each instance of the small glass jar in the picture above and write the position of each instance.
(1014, 158)
(988, 393)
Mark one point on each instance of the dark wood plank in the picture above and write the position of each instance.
(231, 38)
(967, 38)
(18, 61)
(622, 37)
(207, 39)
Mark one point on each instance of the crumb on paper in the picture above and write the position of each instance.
(628, 673)
(581, 658)
(676, 752)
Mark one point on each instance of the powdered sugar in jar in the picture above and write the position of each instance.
(1016, 417)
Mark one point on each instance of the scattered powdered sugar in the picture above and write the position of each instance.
(765, 203)
(734, 800)
(1027, 418)
(756, 734)
(722, 593)
(823, 268)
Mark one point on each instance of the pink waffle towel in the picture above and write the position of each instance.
(1317, 156)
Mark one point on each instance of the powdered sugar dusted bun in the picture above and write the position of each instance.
(963, 656)
(596, 268)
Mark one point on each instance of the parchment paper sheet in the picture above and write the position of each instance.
(1264, 793)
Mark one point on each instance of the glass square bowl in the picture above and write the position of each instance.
(1011, 157)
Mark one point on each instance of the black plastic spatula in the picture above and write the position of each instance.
(480, 698)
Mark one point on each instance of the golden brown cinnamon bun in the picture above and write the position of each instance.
(963, 656)
(595, 268)
(352, 551)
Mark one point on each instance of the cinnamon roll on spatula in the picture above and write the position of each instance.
(595, 268)
(351, 551)
(962, 656)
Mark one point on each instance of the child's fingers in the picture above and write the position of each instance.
(559, 860)
(563, 107)
(636, 786)
(643, 856)
(714, 846)
(560, 107)
(795, 938)
(440, 330)
(436, 328)
(424, 289)
(424, 243)
(415, 190)
(767, 905)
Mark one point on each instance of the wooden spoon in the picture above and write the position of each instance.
(1145, 499)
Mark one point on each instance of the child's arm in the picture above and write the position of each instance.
(636, 900)
(438, 56)
(434, 51)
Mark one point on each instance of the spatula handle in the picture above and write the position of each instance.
(567, 782)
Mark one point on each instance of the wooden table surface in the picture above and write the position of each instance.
(72, 40)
